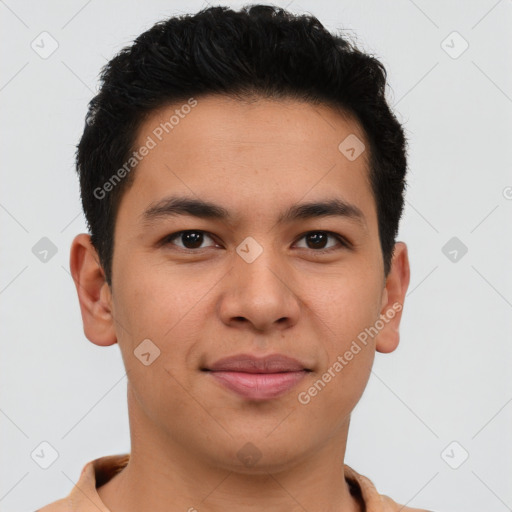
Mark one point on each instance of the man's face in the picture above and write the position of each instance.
(206, 296)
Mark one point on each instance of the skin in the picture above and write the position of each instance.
(255, 159)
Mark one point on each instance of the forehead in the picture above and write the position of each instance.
(250, 154)
(239, 125)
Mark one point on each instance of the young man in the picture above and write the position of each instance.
(242, 177)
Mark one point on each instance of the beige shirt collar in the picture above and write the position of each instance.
(84, 496)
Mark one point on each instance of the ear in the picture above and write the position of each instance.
(93, 291)
(393, 297)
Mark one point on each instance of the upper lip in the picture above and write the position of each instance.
(248, 363)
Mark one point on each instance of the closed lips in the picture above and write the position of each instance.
(246, 363)
(258, 378)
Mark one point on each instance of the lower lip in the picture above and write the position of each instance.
(258, 386)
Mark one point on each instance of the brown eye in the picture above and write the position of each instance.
(317, 241)
(190, 239)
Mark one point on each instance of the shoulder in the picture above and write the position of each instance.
(62, 505)
(84, 496)
(390, 505)
(371, 498)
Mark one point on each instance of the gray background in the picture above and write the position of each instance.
(448, 379)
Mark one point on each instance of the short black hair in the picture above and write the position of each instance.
(260, 51)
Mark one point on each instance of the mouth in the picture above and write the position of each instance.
(256, 378)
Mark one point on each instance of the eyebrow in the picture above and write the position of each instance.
(179, 205)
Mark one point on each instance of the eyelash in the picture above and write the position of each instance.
(344, 243)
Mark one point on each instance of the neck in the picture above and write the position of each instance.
(165, 476)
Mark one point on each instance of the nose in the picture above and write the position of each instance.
(260, 295)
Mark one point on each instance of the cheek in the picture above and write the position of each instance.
(151, 306)
(151, 301)
(343, 311)
(165, 307)
(345, 304)
(347, 351)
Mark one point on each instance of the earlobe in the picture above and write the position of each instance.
(393, 299)
(94, 293)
